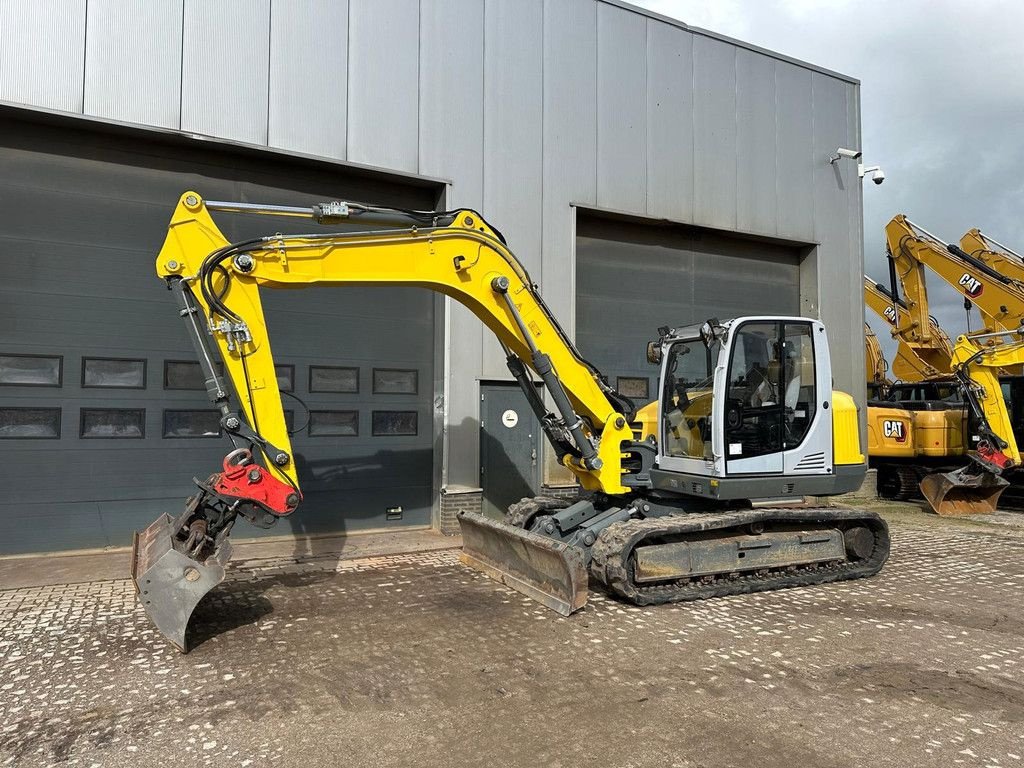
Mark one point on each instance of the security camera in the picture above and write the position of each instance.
(849, 154)
(877, 174)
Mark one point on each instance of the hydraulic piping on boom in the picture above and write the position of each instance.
(746, 411)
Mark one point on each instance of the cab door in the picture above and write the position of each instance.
(770, 398)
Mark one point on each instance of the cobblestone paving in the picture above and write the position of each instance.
(414, 660)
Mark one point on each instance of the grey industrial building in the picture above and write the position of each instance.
(647, 174)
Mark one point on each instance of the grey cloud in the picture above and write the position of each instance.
(942, 105)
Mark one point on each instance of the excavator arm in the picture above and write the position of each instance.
(923, 350)
(454, 253)
(998, 297)
(217, 285)
(975, 488)
(875, 365)
(994, 254)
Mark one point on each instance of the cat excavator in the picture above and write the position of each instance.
(919, 426)
(697, 504)
(876, 368)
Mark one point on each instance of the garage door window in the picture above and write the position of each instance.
(191, 424)
(394, 423)
(186, 374)
(333, 423)
(31, 370)
(113, 423)
(112, 372)
(285, 377)
(395, 381)
(18, 423)
(323, 378)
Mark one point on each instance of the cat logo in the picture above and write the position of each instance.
(895, 429)
(972, 286)
(890, 315)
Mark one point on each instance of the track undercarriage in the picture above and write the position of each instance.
(652, 552)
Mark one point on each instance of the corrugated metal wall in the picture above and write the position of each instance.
(526, 106)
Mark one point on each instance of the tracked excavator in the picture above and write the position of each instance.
(746, 413)
(920, 426)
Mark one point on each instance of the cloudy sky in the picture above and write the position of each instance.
(942, 102)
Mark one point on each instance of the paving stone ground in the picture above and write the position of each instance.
(414, 660)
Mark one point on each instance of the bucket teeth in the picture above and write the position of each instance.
(547, 570)
(965, 491)
(169, 583)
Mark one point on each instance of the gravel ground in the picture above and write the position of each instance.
(414, 660)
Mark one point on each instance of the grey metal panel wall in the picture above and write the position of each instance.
(452, 146)
(714, 133)
(841, 299)
(677, 276)
(670, 190)
(133, 61)
(570, 139)
(513, 136)
(621, 109)
(308, 81)
(225, 64)
(43, 52)
(383, 83)
(795, 156)
(755, 143)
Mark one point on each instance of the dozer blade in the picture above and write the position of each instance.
(549, 571)
(168, 582)
(965, 491)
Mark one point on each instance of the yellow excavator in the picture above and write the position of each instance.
(876, 368)
(746, 413)
(919, 427)
(978, 361)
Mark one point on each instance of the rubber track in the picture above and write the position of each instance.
(522, 512)
(614, 547)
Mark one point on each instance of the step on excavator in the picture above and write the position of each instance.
(746, 414)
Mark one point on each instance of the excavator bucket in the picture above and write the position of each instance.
(168, 582)
(965, 491)
(549, 571)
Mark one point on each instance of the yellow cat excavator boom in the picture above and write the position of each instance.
(923, 349)
(998, 297)
(994, 254)
(746, 412)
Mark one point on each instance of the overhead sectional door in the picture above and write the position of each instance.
(632, 278)
(103, 423)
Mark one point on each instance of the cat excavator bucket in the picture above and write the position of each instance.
(551, 572)
(970, 490)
